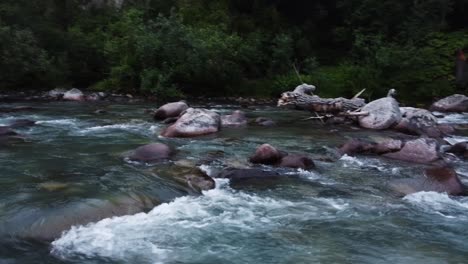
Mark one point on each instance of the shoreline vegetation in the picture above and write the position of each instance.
(236, 48)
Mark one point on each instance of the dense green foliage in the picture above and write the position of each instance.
(234, 47)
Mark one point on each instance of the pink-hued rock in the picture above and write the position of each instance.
(151, 152)
(74, 95)
(297, 162)
(170, 110)
(453, 103)
(266, 154)
(422, 150)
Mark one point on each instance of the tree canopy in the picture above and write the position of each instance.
(234, 47)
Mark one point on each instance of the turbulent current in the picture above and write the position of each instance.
(71, 165)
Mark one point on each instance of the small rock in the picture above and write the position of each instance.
(266, 154)
(236, 119)
(297, 162)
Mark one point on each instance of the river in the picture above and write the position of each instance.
(341, 212)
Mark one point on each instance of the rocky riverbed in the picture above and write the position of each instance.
(104, 182)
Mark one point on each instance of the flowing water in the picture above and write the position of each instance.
(72, 166)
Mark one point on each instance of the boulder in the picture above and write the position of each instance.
(387, 146)
(297, 162)
(170, 110)
(151, 153)
(355, 146)
(417, 121)
(74, 95)
(266, 154)
(94, 97)
(439, 179)
(422, 150)
(383, 114)
(236, 119)
(193, 123)
(453, 103)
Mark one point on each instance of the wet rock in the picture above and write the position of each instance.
(236, 119)
(423, 150)
(439, 179)
(453, 103)
(262, 121)
(195, 179)
(417, 121)
(383, 114)
(266, 154)
(48, 225)
(387, 146)
(151, 153)
(193, 123)
(170, 110)
(74, 95)
(355, 146)
(297, 162)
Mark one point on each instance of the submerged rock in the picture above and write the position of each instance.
(22, 123)
(440, 179)
(262, 121)
(244, 174)
(236, 119)
(74, 95)
(297, 162)
(193, 123)
(266, 154)
(383, 114)
(151, 153)
(453, 103)
(422, 150)
(193, 178)
(170, 110)
(48, 223)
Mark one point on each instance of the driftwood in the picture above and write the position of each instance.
(304, 101)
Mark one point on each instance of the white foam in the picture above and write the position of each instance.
(58, 122)
(439, 203)
(349, 160)
(454, 119)
(170, 231)
(452, 140)
(142, 127)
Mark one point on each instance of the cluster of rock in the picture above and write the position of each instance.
(194, 122)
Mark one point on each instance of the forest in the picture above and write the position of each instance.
(234, 47)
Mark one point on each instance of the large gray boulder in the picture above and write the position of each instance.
(422, 150)
(74, 95)
(193, 123)
(170, 110)
(383, 114)
(453, 103)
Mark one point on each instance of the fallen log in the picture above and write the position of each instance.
(313, 103)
